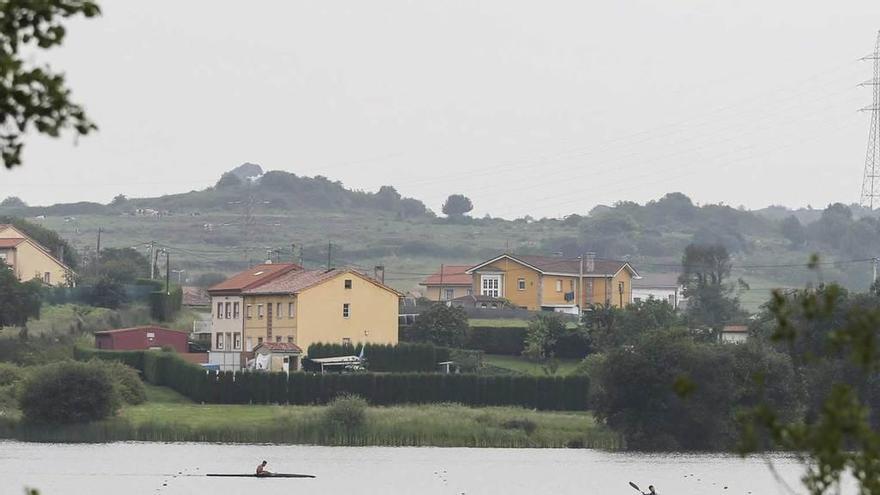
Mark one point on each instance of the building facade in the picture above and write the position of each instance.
(448, 283)
(30, 260)
(567, 285)
(658, 286)
(142, 339)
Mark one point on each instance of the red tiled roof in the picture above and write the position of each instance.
(148, 328)
(10, 243)
(568, 266)
(254, 276)
(297, 281)
(280, 347)
(452, 275)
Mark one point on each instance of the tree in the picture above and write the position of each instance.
(442, 325)
(107, 292)
(824, 328)
(794, 231)
(705, 270)
(542, 336)
(13, 202)
(18, 300)
(69, 392)
(387, 198)
(119, 200)
(457, 205)
(35, 97)
(228, 180)
(123, 265)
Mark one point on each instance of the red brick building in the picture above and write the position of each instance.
(142, 338)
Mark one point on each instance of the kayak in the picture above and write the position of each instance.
(273, 475)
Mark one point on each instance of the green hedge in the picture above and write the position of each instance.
(497, 340)
(398, 358)
(538, 392)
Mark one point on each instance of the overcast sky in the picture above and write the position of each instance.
(540, 108)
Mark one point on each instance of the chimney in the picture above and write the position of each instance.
(590, 262)
(379, 273)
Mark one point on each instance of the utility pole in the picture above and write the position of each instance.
(98, 250)
(167, 273)
(155, 262)
(301, 257)
(293, 253)
(874, 268)
(440, 292)
(61, 253)
(580, 294)
(152, 260)
(329, 254)
(871, 177)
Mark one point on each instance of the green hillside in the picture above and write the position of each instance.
(245, 219)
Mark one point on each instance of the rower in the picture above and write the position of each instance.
(650, 491)
(261, 469)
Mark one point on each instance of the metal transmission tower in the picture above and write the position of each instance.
(871, 179)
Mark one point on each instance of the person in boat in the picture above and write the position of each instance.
(261, 469)
(650, 491)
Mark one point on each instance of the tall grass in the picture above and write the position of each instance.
(440, 425)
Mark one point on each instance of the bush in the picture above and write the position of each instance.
(68, 392)
(10, 374)
(524, 424)
(347, 411)
(126, 380)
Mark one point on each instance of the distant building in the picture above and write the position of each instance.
(735, 334)
(449, 283)
(277, 356)
(29, 260)
(659, 286)
(141, 339)
(566, 285)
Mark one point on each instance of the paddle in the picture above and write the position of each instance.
(635, 486)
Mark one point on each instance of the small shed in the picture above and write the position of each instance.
(277, 356)
(142, 338)
(735, 334)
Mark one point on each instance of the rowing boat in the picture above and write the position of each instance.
(273, 475)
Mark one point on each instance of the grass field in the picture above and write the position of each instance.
(522, 365)
(169, 417)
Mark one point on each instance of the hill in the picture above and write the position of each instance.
(249, 216)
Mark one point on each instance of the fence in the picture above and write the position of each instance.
(226, 387)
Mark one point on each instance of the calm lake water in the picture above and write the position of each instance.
(152, 469)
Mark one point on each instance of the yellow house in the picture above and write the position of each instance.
(29, 260)
(450, 282)
(305, 307)
(554, 284)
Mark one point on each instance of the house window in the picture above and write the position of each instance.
(620, 287)
(260, 311)
(249, 311)
(348, 283)
(571, 285)
(449, 295)
(219, 344)
(346, 341)
(289, 340)
(3, 257)
(228, 311)
(259, 340)
(250, 344)
(278, 310)
(346, 310)
(491, 285)
(235, 309)
(470, 291)
(277, 338)
(558, 285)
(290, 310)
(220, 310)
(521, 284)
(672, 300)
(236, 342)
(47, 278)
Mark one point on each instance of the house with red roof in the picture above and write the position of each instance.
(448, 283)
(29, 260)
(299, 307)
(551, 283)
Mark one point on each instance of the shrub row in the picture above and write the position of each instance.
(511, 341)
(544, 392)
(398, 358)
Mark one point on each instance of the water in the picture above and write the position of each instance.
(152, 469)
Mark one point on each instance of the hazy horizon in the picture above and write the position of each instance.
(527, 109)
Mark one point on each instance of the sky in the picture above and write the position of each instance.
(529, 108)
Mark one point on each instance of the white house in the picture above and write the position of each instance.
(734, 334)
(659, 286)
